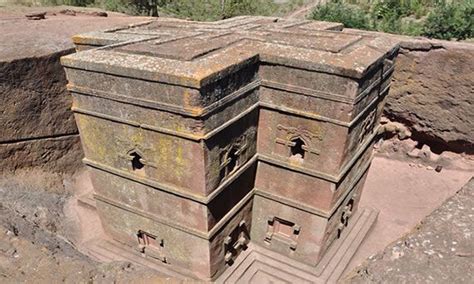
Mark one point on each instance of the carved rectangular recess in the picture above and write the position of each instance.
(282, 231)
(151, 246)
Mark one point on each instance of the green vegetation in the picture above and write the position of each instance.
(450, 21)
(199, 10)
(350, 15)
(209, 10)
(432, 18)
(443, 19)
(80, 3)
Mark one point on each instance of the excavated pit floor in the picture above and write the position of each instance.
(42, 230)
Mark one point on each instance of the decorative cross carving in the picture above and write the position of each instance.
(236, 242)
(368, 125)
(299, 131)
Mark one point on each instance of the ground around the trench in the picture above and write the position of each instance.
(404, 192)
(439, 250)
(23, 38)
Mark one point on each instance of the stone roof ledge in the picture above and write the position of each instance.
(194, 54)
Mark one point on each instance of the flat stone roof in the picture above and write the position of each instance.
(196, 53)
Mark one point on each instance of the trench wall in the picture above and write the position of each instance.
(432, 94)
(37, 125)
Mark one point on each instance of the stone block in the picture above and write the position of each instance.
(202, 136)
(303, 189)
(193, 255)
(187, 212)
(293, 140)
(298, 233)
(178, 164)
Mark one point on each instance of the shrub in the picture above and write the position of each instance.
(203, 10)
(207, 10)
(450, 20)
(234, 8)
(447, 19)
(338, 11)
(80, 3)
(122, 6)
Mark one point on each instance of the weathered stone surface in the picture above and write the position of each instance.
(439, 250)
(432, 93)
(200, 111)
(298, 233)
(38, 127)
(261, 265)
(35, 243)
(61, 154)
(21, 38)
(35, 102)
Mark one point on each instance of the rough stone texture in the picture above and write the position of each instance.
(432, 92)
(33, 232)
(61, 154)
(38, 127)
(35, 102)
(168, 113)
(21, 38)
(439, 250)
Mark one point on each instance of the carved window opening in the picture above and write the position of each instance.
(232, 157)
(297, 150)
(136, 161)
(230, 162)
(345, 216)
(300, 142)
(150, 245)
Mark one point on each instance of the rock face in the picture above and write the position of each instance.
(432, 94)
(38, 125)
(59, 154)
(36, 103)
(38, 128)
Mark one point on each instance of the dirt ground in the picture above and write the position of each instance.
(404, 192)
